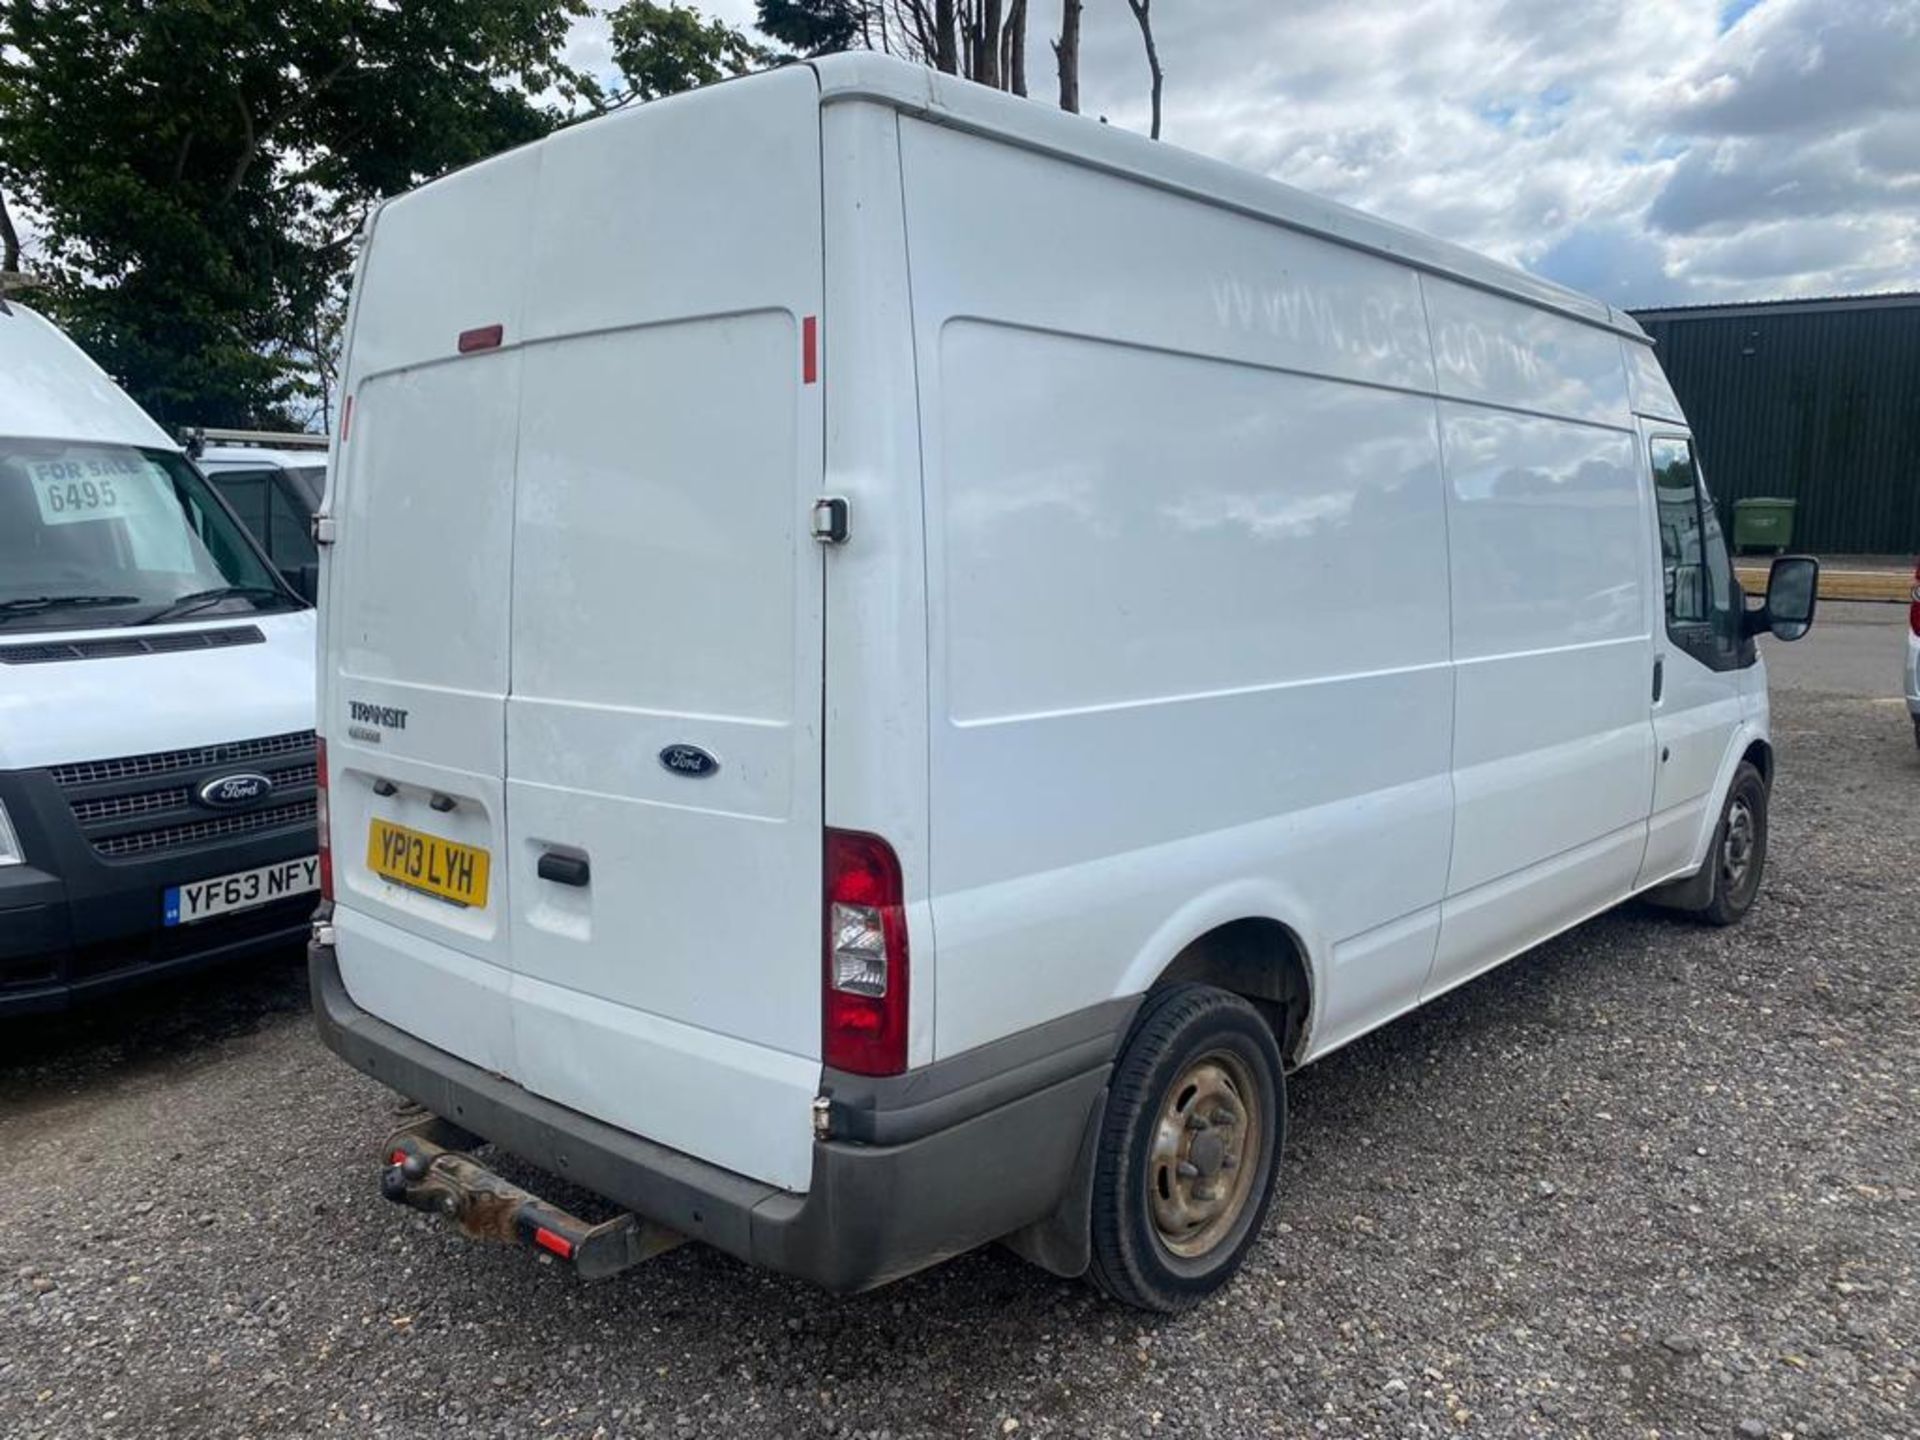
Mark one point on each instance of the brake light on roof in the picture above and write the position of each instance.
(484, 337)
(320, 814)
(864, 984)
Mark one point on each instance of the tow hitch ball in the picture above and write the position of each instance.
(424, 1172)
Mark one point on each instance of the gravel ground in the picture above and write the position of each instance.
(1654, 1179)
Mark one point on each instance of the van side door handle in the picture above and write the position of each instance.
(563, 869)
(1659, 676)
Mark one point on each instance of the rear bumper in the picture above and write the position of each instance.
(976, 1148)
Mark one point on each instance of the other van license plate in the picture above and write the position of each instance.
(242, 890)
(441, 868)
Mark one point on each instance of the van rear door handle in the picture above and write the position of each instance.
(1659, 677)
(563, 869)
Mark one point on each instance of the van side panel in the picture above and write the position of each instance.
(1548, 519)
(1188, 601)
(1647, 381)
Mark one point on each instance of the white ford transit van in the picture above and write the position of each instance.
(157, 786)
(893, 659)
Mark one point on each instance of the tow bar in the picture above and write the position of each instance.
(428, 1169)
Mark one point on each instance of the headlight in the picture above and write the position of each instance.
(9, 842)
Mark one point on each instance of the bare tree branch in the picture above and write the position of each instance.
(986, 39)
(946, 48)
(1142, 13)
(1015, 66)
(180, 157)
(9, 239)
(249, 147)
(1066, 54)
(305, 96)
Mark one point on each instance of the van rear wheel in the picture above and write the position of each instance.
(1189, 1147)
(1739, 848)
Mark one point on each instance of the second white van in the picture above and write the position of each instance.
(893, 660)
(157, 765)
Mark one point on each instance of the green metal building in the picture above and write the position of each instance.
(1813, 400)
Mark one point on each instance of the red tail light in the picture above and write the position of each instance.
(320, 806)
(865, 979)
(1913, 610)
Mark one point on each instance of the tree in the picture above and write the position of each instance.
(201, 171)
(984, 40)
(9, 240)
(818, 27)
(1066, 55)
(664, 49)
(1143, 16)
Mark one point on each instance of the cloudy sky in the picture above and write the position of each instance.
(1648, 151)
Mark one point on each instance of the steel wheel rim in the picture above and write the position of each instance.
(1736, 848)
(1206, 1153)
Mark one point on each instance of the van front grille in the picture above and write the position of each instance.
(165, 762)
(197, 832)
(177, 797)
(140, 806)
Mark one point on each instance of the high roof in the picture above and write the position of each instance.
(51, 390)
(948, 100)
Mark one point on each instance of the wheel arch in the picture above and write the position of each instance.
(1749, 743)
(1251, 938)
(1260, 959)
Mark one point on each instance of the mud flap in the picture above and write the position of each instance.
(428, 1168)
(1061, 1241)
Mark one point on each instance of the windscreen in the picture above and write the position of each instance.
(95, 535)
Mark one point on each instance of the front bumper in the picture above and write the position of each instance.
(58, 949)
(979, 1148)
(83, 916)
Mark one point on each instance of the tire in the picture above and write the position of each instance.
(1162, 1239)
(1739, 853)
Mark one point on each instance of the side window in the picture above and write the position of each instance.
(1703, 602)
(222, 541)
(246, 492)
(1681, 541)
(287, 536)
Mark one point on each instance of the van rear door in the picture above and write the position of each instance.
(663, 721)
(416, 621)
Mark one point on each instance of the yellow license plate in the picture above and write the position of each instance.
(426, 862)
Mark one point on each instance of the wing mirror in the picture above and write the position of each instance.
(1793, 589)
